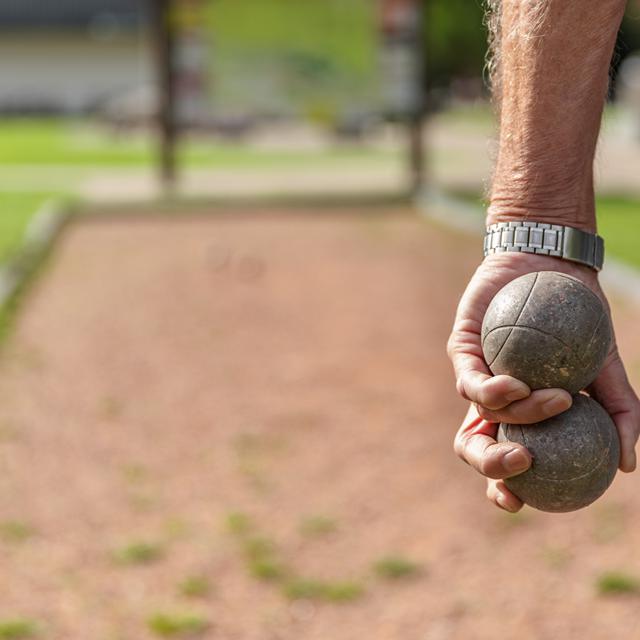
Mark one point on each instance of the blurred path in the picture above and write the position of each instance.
(166, 372)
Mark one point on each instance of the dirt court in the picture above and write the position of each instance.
(247, 400)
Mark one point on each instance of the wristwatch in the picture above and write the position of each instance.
(527, 236)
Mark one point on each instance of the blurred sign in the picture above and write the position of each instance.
(402, 57)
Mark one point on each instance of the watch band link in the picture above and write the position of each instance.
(546, 239)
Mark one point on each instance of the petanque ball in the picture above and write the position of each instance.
(575, 457)
(547, 329)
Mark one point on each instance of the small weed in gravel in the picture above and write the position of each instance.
(178, 625)
(396, 567)
(15, 531)
(195, 587)
(18, 629)
(617, 582)
(262, 559)
(310, 589)
(238, 523)
(137, 553)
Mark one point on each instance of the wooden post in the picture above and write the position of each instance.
(163, 49)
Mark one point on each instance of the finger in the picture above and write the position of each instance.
(627, 426)
(475, 443)
(492, 392)
(540, 405)
(498, 493)
(614, 392)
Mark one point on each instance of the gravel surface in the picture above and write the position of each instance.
(214, 397)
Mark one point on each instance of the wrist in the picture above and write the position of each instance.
(563, 215)
(570, 203)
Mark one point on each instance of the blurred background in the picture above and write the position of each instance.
(232, 237)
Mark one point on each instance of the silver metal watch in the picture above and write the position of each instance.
(568, 243)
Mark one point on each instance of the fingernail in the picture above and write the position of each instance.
(516, 460)
(502, 501)
(556, 404)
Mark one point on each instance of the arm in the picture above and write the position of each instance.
(550, 79)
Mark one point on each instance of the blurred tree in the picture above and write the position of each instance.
(456, 41)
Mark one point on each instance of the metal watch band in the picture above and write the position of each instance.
(546, 239)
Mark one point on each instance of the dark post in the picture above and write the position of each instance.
(416, 118)
(163, 40)
(403, 58)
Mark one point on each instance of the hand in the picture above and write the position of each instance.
(504, 399)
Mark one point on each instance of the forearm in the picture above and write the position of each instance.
(553, 60)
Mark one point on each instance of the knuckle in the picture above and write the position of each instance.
(486, 414)
(460, 446)
(451, 348)
(460, 388)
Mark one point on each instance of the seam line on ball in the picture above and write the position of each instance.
(524, 304)
(526, 326)
(593, 336)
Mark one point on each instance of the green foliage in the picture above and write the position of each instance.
(171, 625)
(18, 629)
(456, 40)
(195, 587)
(617, 582)
(396, 567)
(139, 553)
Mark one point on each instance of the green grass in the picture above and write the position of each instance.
(619, 225)
(178, 625)
(17, 209)
(396, 568)
(617, 582)
(80, 144)
(18, 629)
